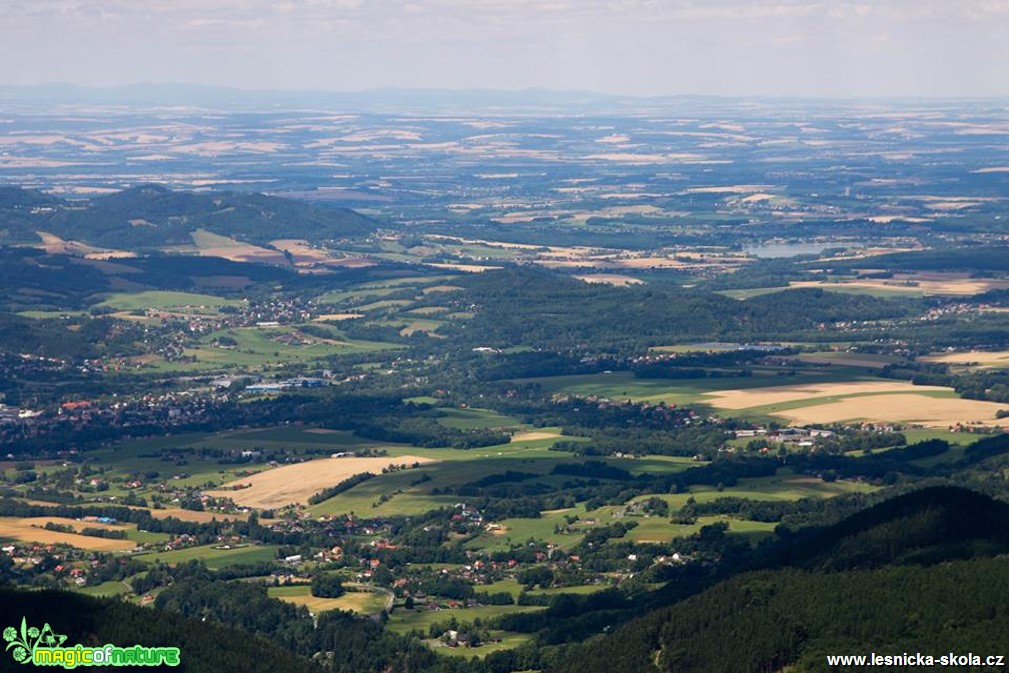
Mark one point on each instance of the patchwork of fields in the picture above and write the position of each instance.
(844, 394)
(295, 484)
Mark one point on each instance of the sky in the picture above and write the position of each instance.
(823, 48)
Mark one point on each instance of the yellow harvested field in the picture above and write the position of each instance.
(980, 359)
(301, 251)
(314, 604)
(610, 279)
(214, 245)
(534, 435)
(917, 409)
(649, 263)
(295, 484)
(571, 264)
(728, 189)
(468, 268)
(309, 259)
(887, 219)
(55, 245)
(338, 316)
(952, 286)
(31, 530)
(361, 602)
(758, 397)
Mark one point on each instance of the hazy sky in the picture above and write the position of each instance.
(651, 47)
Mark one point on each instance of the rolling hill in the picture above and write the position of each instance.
(149, 217)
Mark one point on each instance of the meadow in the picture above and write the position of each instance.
(180, 462)
(171, 302)
(259, 347)
(214, 556)
(361, 602)
(553, 527)
(622, 385)
(409, 492)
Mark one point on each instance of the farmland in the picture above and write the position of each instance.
(776, 395)
(817, 397)
(914, 409)
(552, 373)
(294, 484)
(360, 601)
(32, 530)
(172, 302)
(972, 359)
(214, 556)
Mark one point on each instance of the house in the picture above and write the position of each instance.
(266, 387)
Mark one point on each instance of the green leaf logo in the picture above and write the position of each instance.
(28, 639)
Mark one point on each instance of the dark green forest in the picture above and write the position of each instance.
(148, 217)
(205, 647)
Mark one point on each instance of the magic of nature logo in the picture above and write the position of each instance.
(45, 647)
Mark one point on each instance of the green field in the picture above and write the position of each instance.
(105, 589)
(456, 467)
(659, 529)
(258, 347)
(175, 302)
(516, 532)
(513, 587)
(507, 641)
(472, 419)
(404, 621)
(852, 359)
(215, 558)
(361, 602)
(359, 294)
(884, 293)
(138, 457)
(51, 314)
(785, 486)
(624, 386)
(420, 619)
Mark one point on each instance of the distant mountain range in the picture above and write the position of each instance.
(149, 217)
(387, 99)
(376, 99)
(392, 100)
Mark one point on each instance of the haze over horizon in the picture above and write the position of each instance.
(632, 47)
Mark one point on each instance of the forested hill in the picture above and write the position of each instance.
(768, 620)
(928, 526)
(542, 308)
(205, 647)
(909, 580)
(151, 216)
